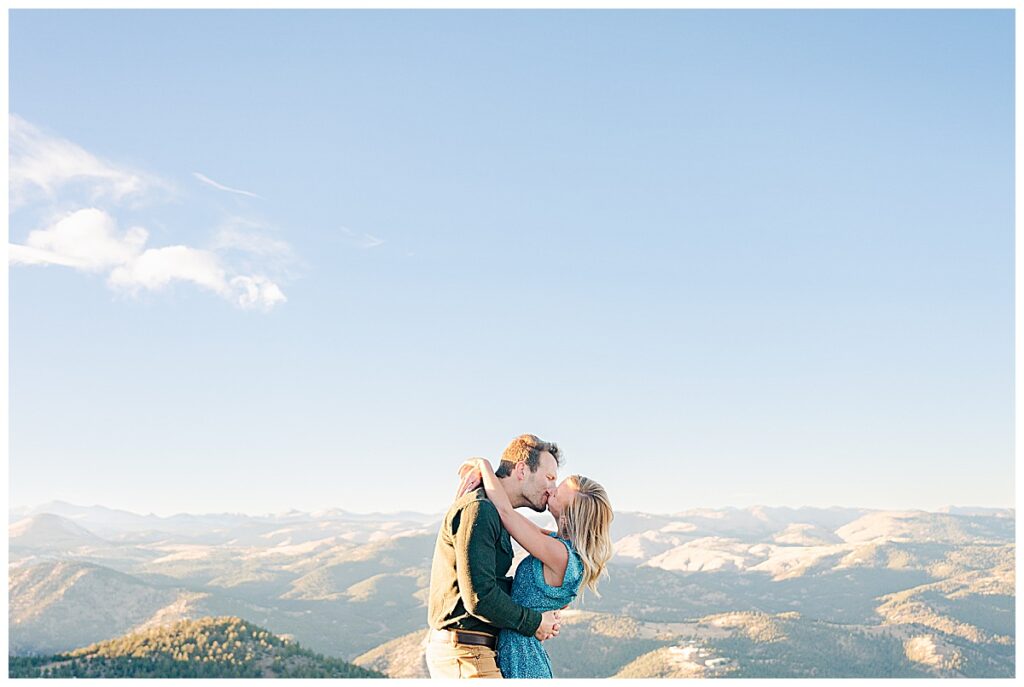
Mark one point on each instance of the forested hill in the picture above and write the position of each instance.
(206, 647)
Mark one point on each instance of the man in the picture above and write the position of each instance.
(470, 591)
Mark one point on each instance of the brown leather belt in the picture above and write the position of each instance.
(465, 637)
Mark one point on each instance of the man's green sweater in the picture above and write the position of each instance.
(469, 588)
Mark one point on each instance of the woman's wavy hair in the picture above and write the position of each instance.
(586, 522)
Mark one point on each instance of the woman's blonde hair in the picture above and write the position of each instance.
(586, 522)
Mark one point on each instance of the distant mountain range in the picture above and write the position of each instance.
(708, 592)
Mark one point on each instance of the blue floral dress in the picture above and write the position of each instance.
(520, 656)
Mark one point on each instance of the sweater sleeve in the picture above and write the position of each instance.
(479, 528)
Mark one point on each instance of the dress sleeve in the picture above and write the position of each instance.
(570, 580)
(574, 568)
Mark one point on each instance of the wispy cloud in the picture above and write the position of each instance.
(250, 237)
(363, 240)
(41, 165)
(18, 254)
(49, 171)
(221, 187)
(255, 247)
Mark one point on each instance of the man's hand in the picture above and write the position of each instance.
(550, 624)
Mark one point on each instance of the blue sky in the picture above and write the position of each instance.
(269, 260)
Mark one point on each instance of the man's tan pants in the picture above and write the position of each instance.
(446, 660)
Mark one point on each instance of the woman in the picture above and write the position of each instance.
(560, 562)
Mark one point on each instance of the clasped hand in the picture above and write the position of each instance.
(550, 624)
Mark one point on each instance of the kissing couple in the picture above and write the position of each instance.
(484, 624)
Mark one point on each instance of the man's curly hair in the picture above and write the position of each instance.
(526, 448)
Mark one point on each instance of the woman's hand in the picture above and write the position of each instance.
(469, 477)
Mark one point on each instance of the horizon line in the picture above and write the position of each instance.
(441, 512)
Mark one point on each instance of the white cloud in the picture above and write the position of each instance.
(41, 164)
(221, 187)
(256, 292)
(88, 240)
(158, 267)
(45, 169)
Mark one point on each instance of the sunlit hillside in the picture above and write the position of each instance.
(758, 592)
(206, 647)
